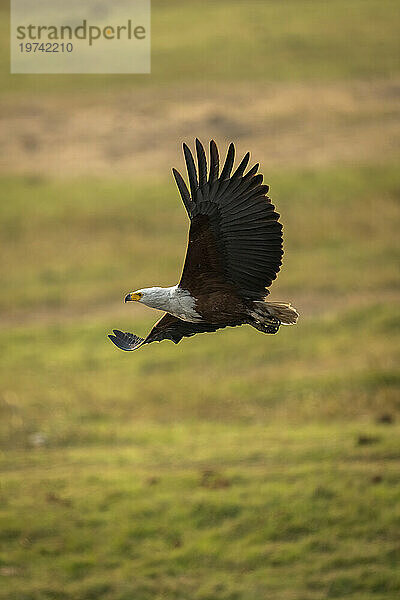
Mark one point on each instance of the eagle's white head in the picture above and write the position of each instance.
(155, 297)
(173, 300)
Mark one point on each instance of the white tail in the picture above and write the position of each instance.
(284, 312)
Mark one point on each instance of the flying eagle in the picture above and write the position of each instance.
(234, 253)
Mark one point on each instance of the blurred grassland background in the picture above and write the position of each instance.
(234, 465)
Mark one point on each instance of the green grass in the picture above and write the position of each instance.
(198, 42)
(233, 465)
(216, 511)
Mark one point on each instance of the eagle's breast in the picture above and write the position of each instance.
(182, 305)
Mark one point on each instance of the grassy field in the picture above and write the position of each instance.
(253, 41)
(233, 466)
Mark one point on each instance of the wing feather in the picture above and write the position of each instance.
(191, 169)
(227, 168)
(235, 238)
(242, 167)
(184, 192)
(214, 163)
(126, 341)
(202, 162)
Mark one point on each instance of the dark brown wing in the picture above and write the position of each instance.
(235, 238)
(126, 341)
(167, 328)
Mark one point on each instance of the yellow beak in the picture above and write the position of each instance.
(132, 297)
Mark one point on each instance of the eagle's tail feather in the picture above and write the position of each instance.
(286, 314)
(269, 316)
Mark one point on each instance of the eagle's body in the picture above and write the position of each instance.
(234, 253)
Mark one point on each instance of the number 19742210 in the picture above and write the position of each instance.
(45, 47)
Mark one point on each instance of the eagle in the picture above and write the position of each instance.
(234, 253)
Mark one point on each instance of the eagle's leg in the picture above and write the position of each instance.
(270, 326)
(262, 319)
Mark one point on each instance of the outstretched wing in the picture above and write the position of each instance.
(167, 328)
(235, 238)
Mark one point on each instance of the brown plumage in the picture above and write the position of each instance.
(234, 253)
